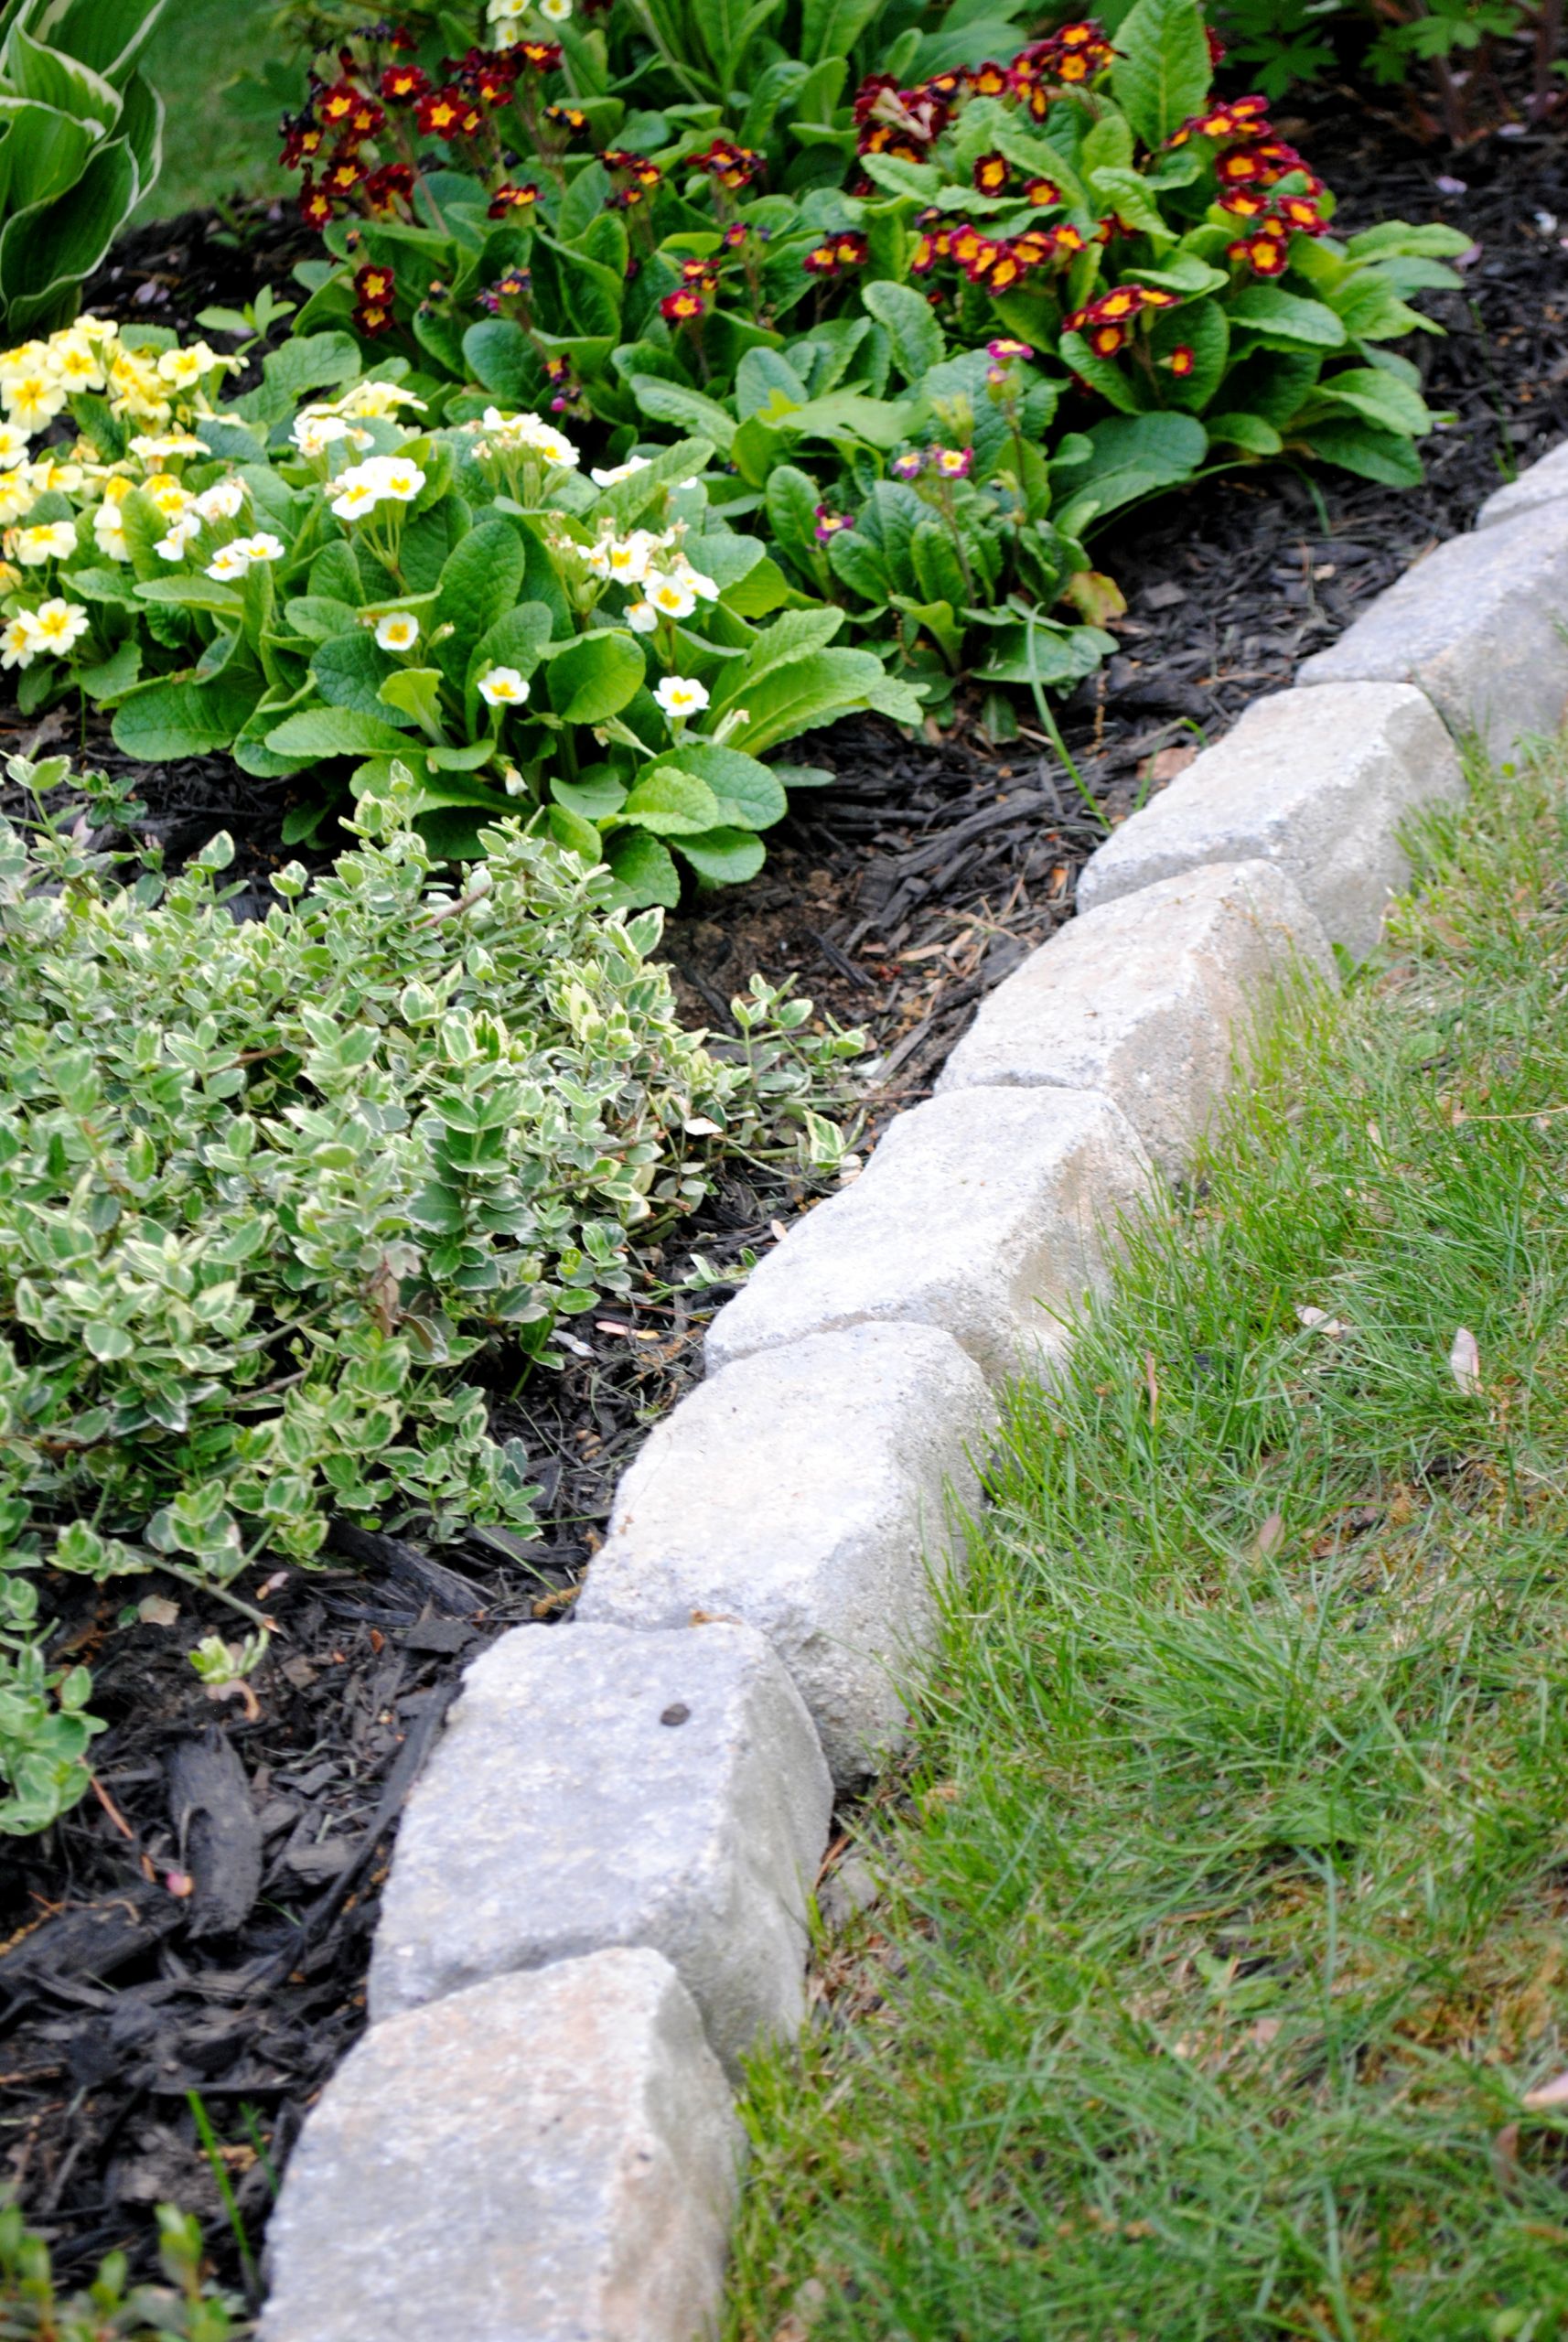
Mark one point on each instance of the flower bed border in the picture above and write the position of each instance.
(600, 1889)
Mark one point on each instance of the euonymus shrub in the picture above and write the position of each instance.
(267, 1188)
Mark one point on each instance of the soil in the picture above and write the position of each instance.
(192, 1940)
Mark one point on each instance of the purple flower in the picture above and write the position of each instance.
(999, 352)
(831, 524)
(951, 463)
(908, 467)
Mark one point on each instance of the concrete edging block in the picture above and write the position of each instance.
(551, 2158)
(1478, 625)
(595, 1786)
(806, 1491)
(1316, 782)
(988, 1213)
(1149, 999)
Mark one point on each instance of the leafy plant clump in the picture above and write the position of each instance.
(267, 1189)
(660, 223)
(80, 140)
(188, 2309)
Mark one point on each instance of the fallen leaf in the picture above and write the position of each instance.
(157, 1610)
(1551, 2093)
(1269, 1538)
(1465, 1363)
(1166, 763)
(1317, 1321)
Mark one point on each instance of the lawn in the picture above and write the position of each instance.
(215, 143)
(1223, 1931)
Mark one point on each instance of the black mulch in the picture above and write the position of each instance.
(201, 1924)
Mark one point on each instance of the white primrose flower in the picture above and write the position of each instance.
(641, 616)
(555, 12)
(670, 596)
(399, 630)
(19, 640)
(222, 501)
(504, 687)
(533, 434)
(167, 444)
(263, 546)
(13, 446)
(680, 698)
(611, 475)
(58, 624)
(229, 563)
(109, 531)
(182, 532)
(315, 431)
(379, 479)
(50, 541)
(703, 586)
(168, 495)
(355, 496)
(32, 399)
(49, 477)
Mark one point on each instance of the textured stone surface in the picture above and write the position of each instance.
(803, 1492)
(1151, 998)
(597, 1786)
(1317, 782)
(1478, 625)
(1540, 483)
(546, 2158)
(982, 1212)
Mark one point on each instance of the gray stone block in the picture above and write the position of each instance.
(1540, 483)
(1151, 998)
(1318, 783)
(984, 1213)
(1478, 626)
(805, 1491)
(546, 2158)
(597, 1786)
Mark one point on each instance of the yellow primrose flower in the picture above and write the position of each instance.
(60, 625)
(19, 643)
(51, 541)
(32, 400)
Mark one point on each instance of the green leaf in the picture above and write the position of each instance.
(748, 795)
(502, 359)
(519, 640)
(1248, 432)
(1286, 317)
(832, 28)
(724, 857)
(308, 362)
(1368, 309)
(1162, 70)
(336, 732)
(175, 718)
(1371, 454)
(804, 693)
(349, 672)
(1130, 456)
(578, 836)
(594, 796)
(595, 676)
(671, 802)
(791, 499)
(416, 691)
(1380, 398)
(688, 410)
(1431, 241)
(919, 342)
(642, 870)
(480, 581)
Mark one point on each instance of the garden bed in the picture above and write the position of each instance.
(896, 898)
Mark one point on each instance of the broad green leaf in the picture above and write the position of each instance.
(688, 410)
(1286, 317)
(416, 691)
(642, 870)
(1248, 432)
(336, 732)
(1381, 398)
(594, 796)
(176, 719)
(724, 857)
(1368, 308)
(1162, 70)
(748, 795)
(319, 617)
(579, 836)
(919, 342)
(671, 802)
(1371, 454)
(595, 676)
(807, 691)
(349, 671)
(480, 581)
(1430, 241)
(832, 28)
(791, 499)
(502, 360)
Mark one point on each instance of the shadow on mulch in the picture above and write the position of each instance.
(896, 899)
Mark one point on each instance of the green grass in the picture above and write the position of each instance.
(1228, 1879)
(215, 143)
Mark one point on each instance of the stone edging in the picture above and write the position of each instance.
(599, 1896)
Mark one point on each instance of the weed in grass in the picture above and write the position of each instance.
(1226, 1884)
